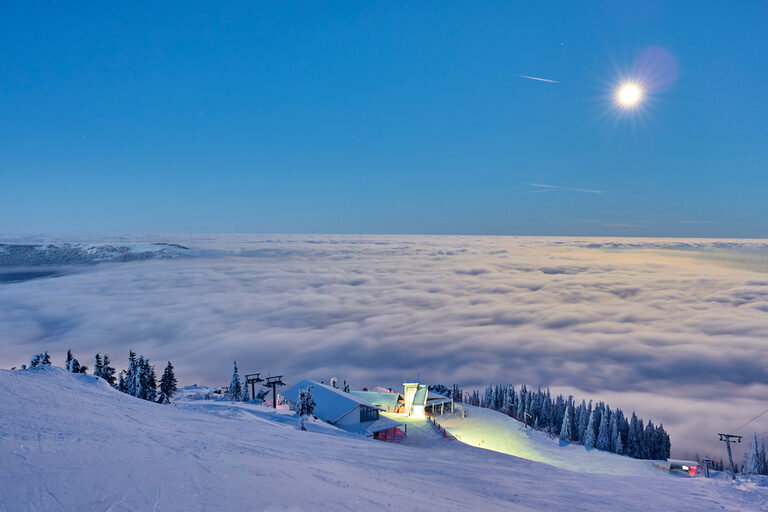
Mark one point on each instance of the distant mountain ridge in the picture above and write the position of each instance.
(32, 255)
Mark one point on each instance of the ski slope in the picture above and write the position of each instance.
(489, 429)
(70, 442)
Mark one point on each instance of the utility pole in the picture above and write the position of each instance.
(727, 439)
(706, 461)
(273, 382)
(252, 379)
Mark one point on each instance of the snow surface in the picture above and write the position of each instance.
(70, 442)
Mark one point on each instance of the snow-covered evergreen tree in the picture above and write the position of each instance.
(763, 461)
(750, 464)
(36, 360)
(603, 432)
(305, 407)
(334, 382)
(634, 438)
(566, 431)
(616, 444)
(150, 393)
(167, 383)
(583, 420)
(590, 438)
(98, 365)
(107, 371)
(235, 387)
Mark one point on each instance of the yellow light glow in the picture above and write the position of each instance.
(629, 94)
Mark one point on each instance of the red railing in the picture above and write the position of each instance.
(445, 433)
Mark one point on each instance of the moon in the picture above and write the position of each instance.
(629, 94)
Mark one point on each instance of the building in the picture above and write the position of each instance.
(347, 410)
(418, 400)
(387, 401)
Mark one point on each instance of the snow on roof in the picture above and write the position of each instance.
(436, 398)
(420, 398)
(382, 399)
(330, 403)
(371, 427)
(382, 390)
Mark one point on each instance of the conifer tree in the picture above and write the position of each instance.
(590, 438)
(306, 406)
(583, 421)
(150, 392)
(750, 464)
(566, 431)
(107, 371)
(235, 387)
(167, 383)
(603, 433)
(98, 365)
(616, 444)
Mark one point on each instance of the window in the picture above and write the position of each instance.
(368, 414)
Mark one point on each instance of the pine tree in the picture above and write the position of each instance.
(566, 431)
(306, 406)
(107, 371)
(97, 365)
(590, 439)
(68, 362)
(583, 421)
(167, 383)
(616, 445)
(762, 458)
(750, 464)
(35, 360)
(151, 392)
(634, 438)
(604, 434)
(129, 377)
(235, 387)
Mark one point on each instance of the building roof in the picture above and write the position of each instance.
(371, 427)
(331, 404)
(420, 398)
(382, 399)
(436, 398)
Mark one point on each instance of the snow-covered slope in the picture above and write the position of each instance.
(69, 442)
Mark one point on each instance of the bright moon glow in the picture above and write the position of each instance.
(629, 94)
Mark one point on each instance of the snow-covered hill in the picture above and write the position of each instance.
(70, 442)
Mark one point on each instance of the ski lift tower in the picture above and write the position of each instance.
(273, 382)
(252, 379)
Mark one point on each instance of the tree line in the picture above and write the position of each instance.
(137, 380)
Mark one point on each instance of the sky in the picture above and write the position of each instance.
(384, 117)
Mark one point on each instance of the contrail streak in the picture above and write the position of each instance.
(571, 189)
(539, 79)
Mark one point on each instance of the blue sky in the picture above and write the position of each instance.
(365, 117)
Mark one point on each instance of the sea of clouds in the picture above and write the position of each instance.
(676, 330)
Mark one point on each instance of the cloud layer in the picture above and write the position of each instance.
(674, 329)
